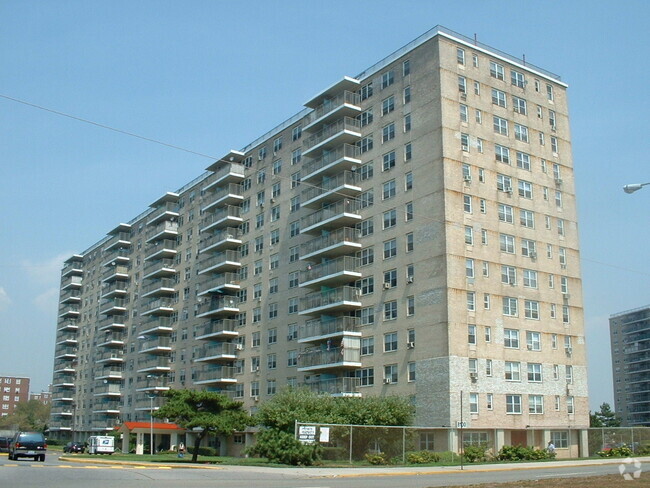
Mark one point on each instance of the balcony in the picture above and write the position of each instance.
(212, 375)
(154, 384)
(330, 189)
(336, 387)
(64, 381)
(70, 296)
(117, 288)
(63, 425)
(67, 339)
(216, 329)
(227, 238)
(119, 240)
(342, 358)
(156, 345)
(112, 340)
(166, 211)
(343, 213)
(117, 272)
(71, 282)
(342, 158)
(107, 406)
(343, 131)
(217, 351)
(147, 402)
(116, 306)
(153, 364)
(113, 322)
(219, 305)
(165, 248)
(224, 283)
(64, 366)
(230, 194)
(159, 287)
(340, 241)
(62, 411)
(164, 230)
(332, 273)
(117, 256)
(108, 390)
(69, 326)
(345, 104)
(224, 173)
(65, 352)
(328, 328)
(228, 260)
(342, 299)
(74, 267)
(109, 374)
(159, 269)
(111, 356)
(159, 306)
(65, 396)
(226, 216)
(157, 325)
(105, 423)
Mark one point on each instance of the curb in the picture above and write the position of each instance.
(135, 463)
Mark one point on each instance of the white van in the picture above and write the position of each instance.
(101, 444)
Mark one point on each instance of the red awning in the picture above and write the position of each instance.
(146, 426)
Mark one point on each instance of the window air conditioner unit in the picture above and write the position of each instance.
(256, 369)
(507, 189)
(289, 337)
(387, 381)
(239, 347)
(558, 181)
(272, 200)
(467, 179)
(568, 350)
(256, 398)
(410, 345)
(386, 286)
(409, 279)
(566, 296)
(532, 255)
(463, 96)
(473, 376)
(530, 347)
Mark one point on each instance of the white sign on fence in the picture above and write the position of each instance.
(324, 434)
(307, 434)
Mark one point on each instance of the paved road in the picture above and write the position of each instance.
(56, 473)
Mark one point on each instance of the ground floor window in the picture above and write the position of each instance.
(560, 439)
(426, 441)
(475, 438)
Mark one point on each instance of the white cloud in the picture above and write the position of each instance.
(5, 301)
(47, 272)
(47, 301)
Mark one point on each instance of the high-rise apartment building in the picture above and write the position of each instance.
(630, 343)
(15, 390)
(412, 232)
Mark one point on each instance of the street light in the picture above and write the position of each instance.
(634, 187)
(151, 397)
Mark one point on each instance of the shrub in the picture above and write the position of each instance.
(474, 454)
(376, 459)
(282, 447)
(621, 451)
(521, 453)
(206, 451)
(422, 457)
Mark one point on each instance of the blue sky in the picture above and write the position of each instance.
(209, 76)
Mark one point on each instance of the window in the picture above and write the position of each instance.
(408, 181)
(411, 371)
(500, 125)
(502, 154)
(521, 133)
(560, 227)
(390, 373)
(367, 376)
(498, 97)
(527, 218)
(407, 95)
(469, 235)
(275, 213)
(469, 268)
(464, 142)
(504, 183)
(568, 373)
(294, 228)
(367, 285)
(473, 403)
(406, 68)
(525, 189)
(510, 306)
(486, 306)
(388, 105)
(549, 92)
(471, 301)
(408, 152)
(273, 286)
(531, 309)
(517, 78)
(462, 85)
(366, 117)
(366, 227)
(277, 167)
(292, 305)
(390, 342)
(488, 367)
(535, 404)
(365, 144)
(274, 261)
(506, 213)
(366, 91)
(530, 278)
(471, 334)
(570, 405)
(410, 306)
(408, 212)
(273, 310)
(477, 88)
(367, 171)
(507, 243)
(560, 438)
(388, 161)
(390, 310)
(496, 71)
(467, 203)
(409, 242)
(519, 106)
(554, 144)
(387, 79)
(367, 346)
(552, 120)
(388, 132)
(475, 60)
(508, 275)
(523, 161)
(390, 249)
(464, 113)
(407, 122)
(390, 219)
(512, 371)
(478, 116)
(294, 254)
(511, 338)
(296, 133)
(366, 256)
(367, 316)
(272, 361)
(535, 372)
(390, 278)
(513, 404)
(292, 358)
(460, 56)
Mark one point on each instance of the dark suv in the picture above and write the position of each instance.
(4, 444)
(27, 444)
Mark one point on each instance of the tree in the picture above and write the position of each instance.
(605, 417)
(205, 411)
(31, 415)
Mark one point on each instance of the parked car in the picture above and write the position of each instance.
(74, 447)
(4, 444)
(27, 444)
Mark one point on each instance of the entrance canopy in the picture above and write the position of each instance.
(145, 428)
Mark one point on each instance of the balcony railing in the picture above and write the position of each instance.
(225, 195)
(329, 327)
(159, 266)
(119, 255)
(342, 386)
(162, 286)
(150, 363)
(228, 215)
(110, 356)
(227, 305)
(74, 267)
(229, 258)
(159, 305)
(115, 272)
(214, 328)
(335, 357)
(216, 351)
(117, 287)
(341, 126)
(342, 270)
(344, 184)
(109, 389)
(117, 322)
(121, 239)
(164, 248)
(336, 214)
(224, 237)
(168, 210)
(163, 230)
(157, 325)
(340, 241)
(345, 153)
(226, 173)
(160, 343)
(71, 282)
(345, 298)
(331, 104)
(215, 374)
(217, 283)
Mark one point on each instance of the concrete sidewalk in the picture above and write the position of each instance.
(344, 472)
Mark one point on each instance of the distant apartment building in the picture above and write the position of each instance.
(630, 343)
(412, 231)
(15, 389)
(45, 397)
